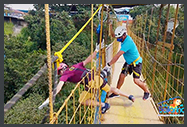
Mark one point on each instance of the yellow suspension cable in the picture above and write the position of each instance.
(59, 53)
(101, 30)
(91, 51)
(49, 59)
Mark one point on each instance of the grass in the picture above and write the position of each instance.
(8, 28)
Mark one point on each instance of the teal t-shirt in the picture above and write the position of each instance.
(131, 51)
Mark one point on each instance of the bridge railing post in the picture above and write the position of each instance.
(154, 65)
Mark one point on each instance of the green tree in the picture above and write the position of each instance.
(20, 64)
(61, 29)
(180, 31)
(138, 24)
(25, 111)
(8, 28)
(59, 7)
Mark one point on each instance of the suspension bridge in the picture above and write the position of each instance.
(161, 68)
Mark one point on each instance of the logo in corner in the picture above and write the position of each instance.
(172, 107)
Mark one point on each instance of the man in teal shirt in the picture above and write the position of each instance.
(133, 60)
(130, 50)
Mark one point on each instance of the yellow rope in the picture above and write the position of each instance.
(101, 30)
(91, 51)
(49, 59)
(59, 54)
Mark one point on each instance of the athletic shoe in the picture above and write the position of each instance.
(42, 106)
(105, 108)
(131, 97)
(113, 95)
(146, 95)
(45, 104)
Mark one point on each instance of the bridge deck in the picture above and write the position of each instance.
(122, 110)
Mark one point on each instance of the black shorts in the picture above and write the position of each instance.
(128, 69)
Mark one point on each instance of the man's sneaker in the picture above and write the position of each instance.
(42, 106)
(131, 97)
(146, 95)
(105, 108)
(45, 104)
(113, 95)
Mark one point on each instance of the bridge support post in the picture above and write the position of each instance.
(154, 66)
(165, 30)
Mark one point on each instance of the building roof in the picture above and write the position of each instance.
(125, 5)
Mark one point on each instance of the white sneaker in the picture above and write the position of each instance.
(44, 104)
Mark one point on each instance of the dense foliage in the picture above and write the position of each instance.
(26, 111)
(8, 28)
(138, 27)
(20, 64)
